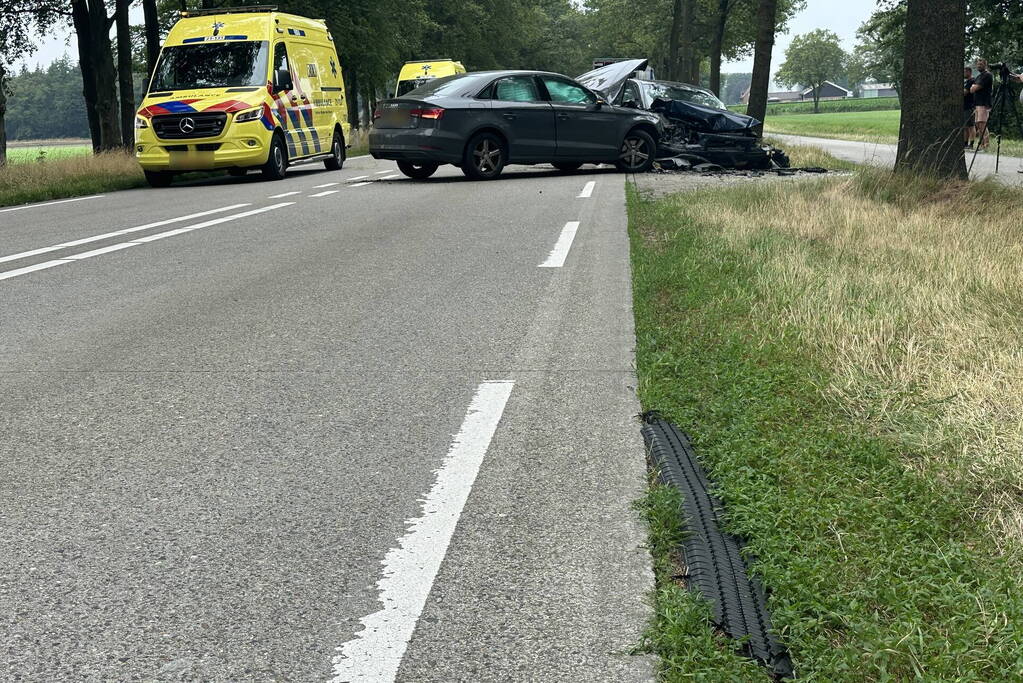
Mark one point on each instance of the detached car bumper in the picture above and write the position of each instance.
(416, 144)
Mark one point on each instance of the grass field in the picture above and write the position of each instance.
(845, 354)
(43, 152)
(850, 104)
(70, 176)
(868, 126)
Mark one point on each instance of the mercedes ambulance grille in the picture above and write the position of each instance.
(187, 126)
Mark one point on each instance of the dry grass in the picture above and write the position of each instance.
(68, 177)
(911, 292)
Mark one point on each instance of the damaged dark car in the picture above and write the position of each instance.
(698, 130)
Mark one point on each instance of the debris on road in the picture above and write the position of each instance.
(714, 565)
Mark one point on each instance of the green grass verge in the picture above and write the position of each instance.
(868, 126)
(827, 106)
(876, 565)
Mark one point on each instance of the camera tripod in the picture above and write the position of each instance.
(1004, 102)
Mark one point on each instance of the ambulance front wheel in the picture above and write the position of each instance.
(276, 166)
(159, 178)
(337, 154)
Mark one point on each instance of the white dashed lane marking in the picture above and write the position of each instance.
(284, 194)
(559, 253)
(62, 201)
(360, 184)
(588, 190)
(410, 566)
(324, 194)
(320, 187)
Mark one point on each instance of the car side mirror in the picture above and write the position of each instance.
(600, 103)
(282, 80)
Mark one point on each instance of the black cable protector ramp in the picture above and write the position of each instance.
(714, 565)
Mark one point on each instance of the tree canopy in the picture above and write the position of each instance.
(812, 59)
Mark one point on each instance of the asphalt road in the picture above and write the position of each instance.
(982, 164)
(355, 436)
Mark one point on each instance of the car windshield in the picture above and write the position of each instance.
(211, 65)
(670, 92)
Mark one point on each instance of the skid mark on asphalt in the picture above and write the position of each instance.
(136, 243)
(409, 569)
(62, 201)
(556, 259)
(118, 233)
(587, 190)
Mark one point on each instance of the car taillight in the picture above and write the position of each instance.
(431, 113)
(377, 114)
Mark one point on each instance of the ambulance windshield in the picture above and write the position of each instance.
(211, 65)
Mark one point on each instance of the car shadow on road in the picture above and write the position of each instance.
(519, 173)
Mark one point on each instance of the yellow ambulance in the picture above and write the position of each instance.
(414, 74)
(242, 89)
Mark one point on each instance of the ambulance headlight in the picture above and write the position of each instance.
(141, 123)
(248, 115)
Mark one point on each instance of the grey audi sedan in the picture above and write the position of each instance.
(483, 121)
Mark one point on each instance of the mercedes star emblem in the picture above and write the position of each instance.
(186, 125)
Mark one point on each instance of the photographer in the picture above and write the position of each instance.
(969, 128)
(981, 90)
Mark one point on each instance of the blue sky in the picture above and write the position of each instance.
(841, 16)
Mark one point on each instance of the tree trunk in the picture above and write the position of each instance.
(367, 113)
(125, 82)
(351, 93)
(716, 42)
(673, 39)
(152, 35)
(80, 18)
(92, 28)
(3, 114)
(762, 52)
(686, 50)
(930, 134)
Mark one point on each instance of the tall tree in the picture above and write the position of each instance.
(930, 134)
(724, 9)
(125, 82)
(811, 60)
(767, 19)
(152, 24)
(99, 77)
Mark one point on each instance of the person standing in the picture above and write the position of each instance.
(969, 128)
(982, 88)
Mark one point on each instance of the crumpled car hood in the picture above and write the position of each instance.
(704, 118)
(609, 80)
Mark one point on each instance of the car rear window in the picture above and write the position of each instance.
(457, 85)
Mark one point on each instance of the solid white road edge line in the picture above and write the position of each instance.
(62, 201)
(587, 190)
(136, 243)
(559, 253)
(284, 194)
(324, 193)
(360, 184)
(409, 569)
(117, 233)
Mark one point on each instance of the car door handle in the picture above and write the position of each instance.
(511, 117)
(563, 117)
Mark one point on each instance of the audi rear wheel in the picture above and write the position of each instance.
(484, 157)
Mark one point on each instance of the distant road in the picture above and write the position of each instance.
(346, 426)
(56, 142)
(884, 155)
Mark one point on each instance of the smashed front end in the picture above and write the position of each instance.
(699, 136)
